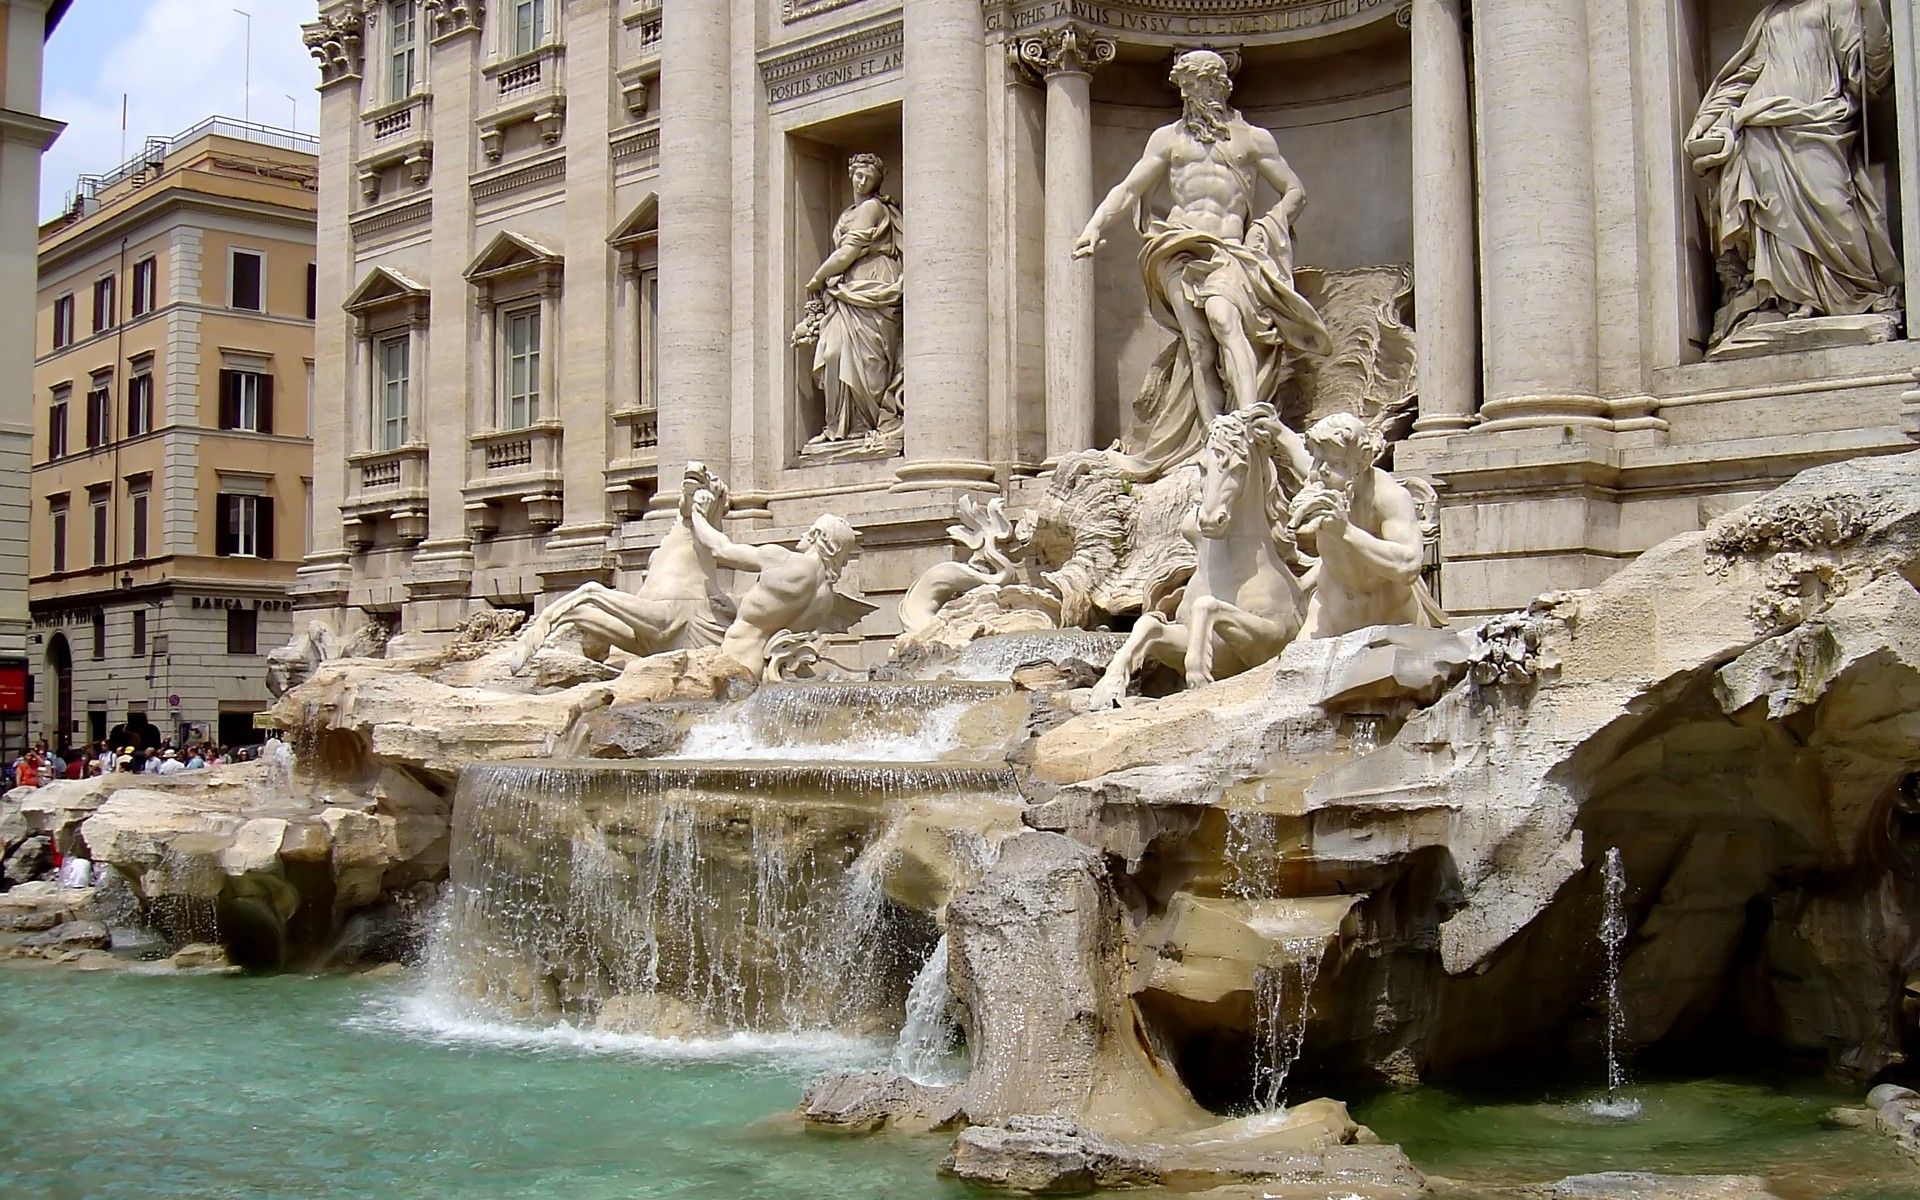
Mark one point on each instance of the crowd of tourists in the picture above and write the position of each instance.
(132, 749)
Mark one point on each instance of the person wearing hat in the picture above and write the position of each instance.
(170, 763)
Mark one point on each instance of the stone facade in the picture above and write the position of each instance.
(566, 243)
(172, 462)
(24, 135)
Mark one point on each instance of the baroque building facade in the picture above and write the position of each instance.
(172, 461)
(826, 248)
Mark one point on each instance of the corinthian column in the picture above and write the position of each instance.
(1065, 57)
(696, 238)
(1446, 292)
(1537, 237)
(944, 246)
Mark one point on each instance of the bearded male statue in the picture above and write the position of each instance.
(1219, 275)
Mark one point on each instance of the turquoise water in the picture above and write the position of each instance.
(1763, 1126)
(122, 1085)
(280, 1086)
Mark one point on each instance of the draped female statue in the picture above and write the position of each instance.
(1780, 141)
(853, 321)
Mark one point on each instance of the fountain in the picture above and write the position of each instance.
(1613, 936)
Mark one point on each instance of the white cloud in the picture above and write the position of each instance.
(179, 62)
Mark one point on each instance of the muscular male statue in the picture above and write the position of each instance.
(794, 590)
(1218, 275)
(1365, 526)
(678, 606)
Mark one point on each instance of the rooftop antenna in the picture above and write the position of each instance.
(246, 78)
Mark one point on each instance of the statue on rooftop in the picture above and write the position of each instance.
(1219, 274)
(1796, 220)
(852, 319)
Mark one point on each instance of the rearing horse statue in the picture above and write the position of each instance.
(1242, 605)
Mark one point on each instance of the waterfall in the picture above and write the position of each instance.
(869, 722)
(995, 658)
(704, 898)
(1282, 1004)
(1613, 935)
(1366, 735)
(926, 1051)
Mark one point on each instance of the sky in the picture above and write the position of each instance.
(178, 62)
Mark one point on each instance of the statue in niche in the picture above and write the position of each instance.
(678, 606)
(1366, 528)
(795, 590)
(1780, 141)
(1219, 276)
(852, 318)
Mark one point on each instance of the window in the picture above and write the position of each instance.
(99, 634)
(395, 379)
(402, 44)
(246, 401)
(57, 423)
(313, 291)
(245, 528)
(140, 399)
(100, 411)
(63, 322)
(137, 502)
(59, 536)
(243, 631)
(103, 311)
(529, 25)
(99, 513)
(649, 337)
(522, 397)
(146, 283)
(245, 284)
(139, 633)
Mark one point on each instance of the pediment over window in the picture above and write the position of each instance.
(642, 225)
(385, 288)
(509, 254)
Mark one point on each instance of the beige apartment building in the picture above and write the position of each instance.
(24, 136)
(565, 247)
(172, 456)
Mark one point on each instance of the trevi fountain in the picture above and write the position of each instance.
(1182, 839)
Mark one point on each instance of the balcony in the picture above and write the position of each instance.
(526, 87)
(401, 132)
(386, 483)
(635, 467)
(515, 466)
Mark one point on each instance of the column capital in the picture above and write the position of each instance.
(1067, 47)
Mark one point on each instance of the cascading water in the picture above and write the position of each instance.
(708, 897)
(873, 722)
(927, 1049)
(1365, 738)
(1613, 936)
(1282, 1004)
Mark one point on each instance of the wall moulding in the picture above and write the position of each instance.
(1172, 22)
(796, 73)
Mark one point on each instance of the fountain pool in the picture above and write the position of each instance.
(291, 1086)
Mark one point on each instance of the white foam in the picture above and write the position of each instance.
(426, 1017)
(728, 737)
(1611, 1108)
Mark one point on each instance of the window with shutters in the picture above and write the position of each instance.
(100, 411)
(57, 422)
(146, 286)
(520, 399)
(403, 45)
(395, 383)
(59, 536)
(246, 280)
(63, 322)
(246, 400)
(245, 528)
(138, 505)
(100, 535)
(99, 634)
(140, 397)
(103, 310)
(243, 631)
(528, 20)
(139, 633)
